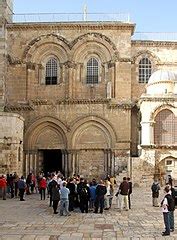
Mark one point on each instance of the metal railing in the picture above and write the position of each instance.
(155, 36)
(70, 17)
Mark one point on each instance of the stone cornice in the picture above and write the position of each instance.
(155, 146)
(18, 107)
(107, 25)
(125, 60)
(82, 101)
(121, 105)
(153, 43)
(111, 104)
(158, 99)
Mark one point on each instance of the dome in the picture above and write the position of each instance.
(162, 76)
(162, 82)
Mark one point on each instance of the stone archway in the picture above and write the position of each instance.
(94, 140)
(45, 144)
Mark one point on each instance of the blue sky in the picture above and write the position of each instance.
(149, 15)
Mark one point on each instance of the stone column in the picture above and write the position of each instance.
(31, 162)
(69, 160)
(35, 164)
(26, 163)
(66, 163)
(111, 66)
(71, 66)
(147, 133)
(63, 161)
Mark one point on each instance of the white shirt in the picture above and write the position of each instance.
(164, 205)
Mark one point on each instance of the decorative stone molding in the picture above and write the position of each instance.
(43, 37)
(153, 43)
(93, 36)
(122, 105)
(162, 99)
(135, 59)
(73, 26)
(70, 64)
(18, 107)
(13, 60)
(39, 102)
(125, 60)
(82, 101)
(161, 147)
(111, 64)
(31, 66)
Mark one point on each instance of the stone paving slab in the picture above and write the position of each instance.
(34, 219)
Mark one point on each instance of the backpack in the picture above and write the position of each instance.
(84, 192)
(155, 187)
(171, 202)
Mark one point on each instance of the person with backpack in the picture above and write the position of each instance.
(172, 193)
(84, 196)
(167, 205)
(155, 193)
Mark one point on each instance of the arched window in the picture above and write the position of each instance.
(51, 72)
(145, 70)
(165, 130)
(92, 71)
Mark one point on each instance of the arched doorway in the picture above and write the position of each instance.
(94, 139)
(45, 147)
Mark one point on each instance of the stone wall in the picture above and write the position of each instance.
(11, 143)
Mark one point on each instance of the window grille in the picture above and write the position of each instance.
(51, 72)
(92, 71)
(145, 70)
(165, 130)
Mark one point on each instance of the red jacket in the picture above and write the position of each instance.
(43, 183)
(3, 182)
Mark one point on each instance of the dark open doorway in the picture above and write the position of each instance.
(52, 160)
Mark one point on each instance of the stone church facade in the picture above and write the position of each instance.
(73, 98)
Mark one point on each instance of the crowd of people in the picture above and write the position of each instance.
(66, 195)
(72, 193)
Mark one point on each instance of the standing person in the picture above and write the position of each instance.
(3, 186)
(42, 187)
(64, 200)
(11, 185)
(21, 187)
(28, 183)
(171, 211)
(51, 184)
(100, 192)
(107, 195)
(129, 192)
(155, 193)
(15, 180)
(166, 205)
(92, 189)
(71, 186)
(124, 189)
(55, 197)
(84, 196)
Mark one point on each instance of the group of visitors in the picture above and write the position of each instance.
(167, 204)
(74, 192)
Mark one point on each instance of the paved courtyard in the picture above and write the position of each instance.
(33, 219)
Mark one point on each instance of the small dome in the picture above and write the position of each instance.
(162, 76)
(162, 82)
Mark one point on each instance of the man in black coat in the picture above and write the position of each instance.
(100, 192)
